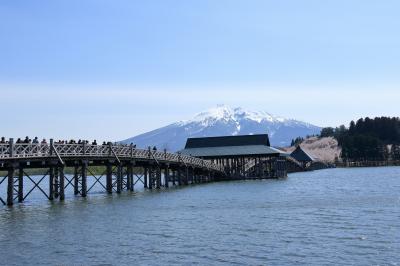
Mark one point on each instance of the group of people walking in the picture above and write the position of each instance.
(27, 140)
(35, 140)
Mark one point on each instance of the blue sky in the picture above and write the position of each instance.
(113, 69)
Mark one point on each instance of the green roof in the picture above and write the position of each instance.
(228, 141)
(251, 150)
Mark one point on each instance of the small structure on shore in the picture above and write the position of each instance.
(302, 156)
(245, 156)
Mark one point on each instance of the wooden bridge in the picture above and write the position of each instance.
(124, 166)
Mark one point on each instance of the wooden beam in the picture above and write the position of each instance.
(10, 186)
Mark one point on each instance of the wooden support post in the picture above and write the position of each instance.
(56, 183)
(146, 172)
(10, 186)
(158, 176)
(179, 177)
(21, 184)
(62, 185)
(187, 176)
(76, 180)
(166, 176)
(243, 167)
(151, 177)
(128, 179)
(188, 179)
(130, 182)
(270, 167)
(84, 179)
(109, 178)
(132, 175)
(51, 183)
(237, 167)
(119, 179)
(262, 173)
(173, 177)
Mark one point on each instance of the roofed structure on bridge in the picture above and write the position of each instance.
(301, 155)
(230, 146)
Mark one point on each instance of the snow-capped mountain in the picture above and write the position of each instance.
(225, 121)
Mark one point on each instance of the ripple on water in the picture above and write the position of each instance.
(330, 217)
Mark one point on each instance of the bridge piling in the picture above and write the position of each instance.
(51, 183)
(51, 173)
(76, 179)
(150, 177)
(56, 183)
(158, 173)
(109, 175)
(84, 179)
(21, 184)
(62, 183)
(145, 175)
(10, 186)
(130, 182)
(166, 176)
(173, 177)
(119, 179)
(179, 177)
(186, 178)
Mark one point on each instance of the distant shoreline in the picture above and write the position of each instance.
(356, 164)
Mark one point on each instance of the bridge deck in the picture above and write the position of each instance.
(61, 152)
(158, 168)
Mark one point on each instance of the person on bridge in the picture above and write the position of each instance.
(44, 141)
(3, 140)
(35, 140)
(94, 142)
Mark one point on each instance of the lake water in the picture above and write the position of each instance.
(329, 217)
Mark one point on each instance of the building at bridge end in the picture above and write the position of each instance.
(242, 156)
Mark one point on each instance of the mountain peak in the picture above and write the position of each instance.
(220, 112)
(223, 120)
(227, 113)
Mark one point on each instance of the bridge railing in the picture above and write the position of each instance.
(39, 150)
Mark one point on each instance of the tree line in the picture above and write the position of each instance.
(368, 139)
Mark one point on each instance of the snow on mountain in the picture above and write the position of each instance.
(224, 120)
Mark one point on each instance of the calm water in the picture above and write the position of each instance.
(330, 217)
